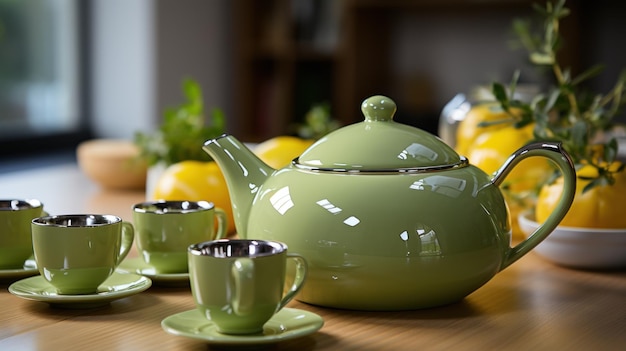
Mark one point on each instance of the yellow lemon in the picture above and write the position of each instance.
(279, 151)
(491, 150)
(195, 181)
(599, 207)
(470, 127)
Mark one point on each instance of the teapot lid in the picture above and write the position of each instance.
(379, 144)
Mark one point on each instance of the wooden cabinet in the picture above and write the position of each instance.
(282, 65)
(291, 54)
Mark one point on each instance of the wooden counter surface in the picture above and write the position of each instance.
(532, 305)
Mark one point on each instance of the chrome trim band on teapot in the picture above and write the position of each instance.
(462, 163)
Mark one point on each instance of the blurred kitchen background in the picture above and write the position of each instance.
(72, 70)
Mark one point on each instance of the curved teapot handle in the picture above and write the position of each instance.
(558, 155)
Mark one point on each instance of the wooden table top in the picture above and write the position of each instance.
(532, 305)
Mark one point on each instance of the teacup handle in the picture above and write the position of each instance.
(556, 153)
(298, 281)
(128, 235)
(222, 223)
(242, 272)
(243, 275)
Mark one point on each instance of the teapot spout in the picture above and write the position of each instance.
(244, 173)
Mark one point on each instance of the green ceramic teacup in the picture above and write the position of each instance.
(16, 244)
(165, 229)
(76, 253)
(239, 284)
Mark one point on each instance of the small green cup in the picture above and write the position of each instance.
(16, 244)
(165, 229)
(77, 253)
(239, 284)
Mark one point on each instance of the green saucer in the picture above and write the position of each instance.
(29, 269)
(139, 266)
(288, 323)
(119, 285)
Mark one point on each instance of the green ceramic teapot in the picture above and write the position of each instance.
(388, 216)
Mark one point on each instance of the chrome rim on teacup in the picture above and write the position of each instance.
(77, 220)
(225, 248)
(166, 206)
(16, 204)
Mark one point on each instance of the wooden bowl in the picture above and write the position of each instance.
(112, 163)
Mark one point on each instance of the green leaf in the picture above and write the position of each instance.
(600, 181)
(551, 101)
(560, 10)
(610, 151)
(540, 58)
(579, 133)
(540, 9)
(550, 37)
(499, 92)
(513, 84)
(521, 27)
(589, 73)
(566, 88)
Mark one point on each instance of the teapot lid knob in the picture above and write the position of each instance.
(378, 108)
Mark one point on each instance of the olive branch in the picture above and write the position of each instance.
(566, 113)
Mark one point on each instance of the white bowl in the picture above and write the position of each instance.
(587, 248)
